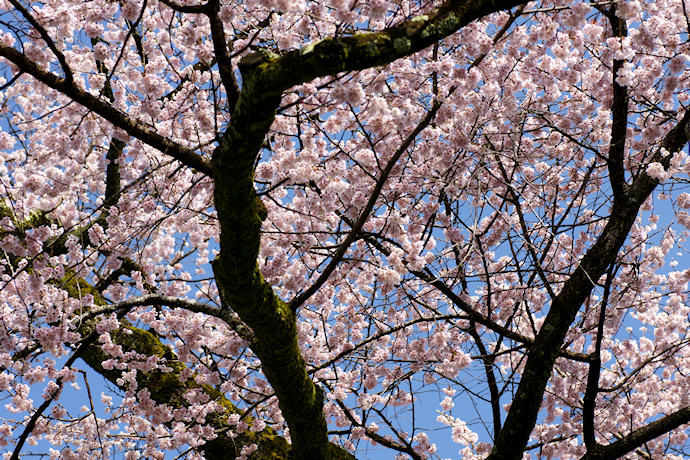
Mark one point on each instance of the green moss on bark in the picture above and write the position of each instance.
(166, 387)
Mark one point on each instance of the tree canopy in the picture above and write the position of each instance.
(341, 229)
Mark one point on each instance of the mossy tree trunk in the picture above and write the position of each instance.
(265, 77)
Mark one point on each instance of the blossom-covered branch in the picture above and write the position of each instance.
(289, 227)
(115, 116)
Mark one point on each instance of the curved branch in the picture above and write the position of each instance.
(488, 362)
(472, 314)
(167, 387)
(384, 441)
(193, 9)
(361, 51)
(265, 77)
(379, 335)
(487, 322)
(229, 317)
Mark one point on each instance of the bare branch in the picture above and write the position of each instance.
(379, 335)
(377, 437)
(487, 322)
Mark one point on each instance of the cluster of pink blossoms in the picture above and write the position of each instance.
(488, 208)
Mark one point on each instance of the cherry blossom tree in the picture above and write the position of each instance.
(306, 229)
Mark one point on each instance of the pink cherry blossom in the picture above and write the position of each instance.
(406, 206)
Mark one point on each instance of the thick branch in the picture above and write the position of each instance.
(592, 389)
(673, 142)
(638, 437)
(166, 387)
(542, 356)
(244, 288)
(191, 9)
(113, 185)
(522, 416)
(265, 77)
(619, 112)
(361, 51)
